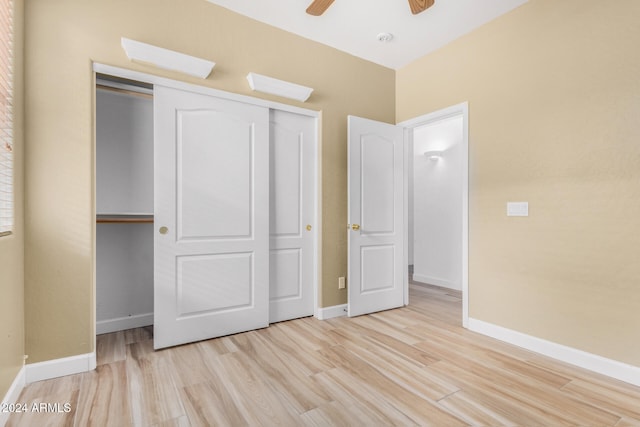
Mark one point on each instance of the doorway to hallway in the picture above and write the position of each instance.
(437, 199)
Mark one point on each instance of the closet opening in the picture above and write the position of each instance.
(206, 209)
(124, 204)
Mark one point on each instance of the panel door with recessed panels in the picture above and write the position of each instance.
(211, 237)
(376, 216)
(292, 215)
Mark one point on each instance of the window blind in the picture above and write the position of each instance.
(6, 117)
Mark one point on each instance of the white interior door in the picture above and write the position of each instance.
(376, 216)
(211, 241)
(292, 215)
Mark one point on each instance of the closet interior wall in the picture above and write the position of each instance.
(124, 207)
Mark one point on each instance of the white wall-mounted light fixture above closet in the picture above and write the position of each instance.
(265, 84)
(167, 59)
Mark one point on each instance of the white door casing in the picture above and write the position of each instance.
(376, 279)
(211, 241)
(292, 215)
(445, 113)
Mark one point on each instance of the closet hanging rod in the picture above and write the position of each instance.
(131, 87)
(127, 91)
(124, 219)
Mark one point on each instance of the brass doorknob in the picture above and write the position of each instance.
(163, 230)
(308, 227)
(355, 227)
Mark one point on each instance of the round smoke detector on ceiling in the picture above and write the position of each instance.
(385, 37)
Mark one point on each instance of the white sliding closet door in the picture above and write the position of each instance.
(211, 236)
(292, 215)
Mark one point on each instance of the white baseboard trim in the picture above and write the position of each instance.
(60, 367)
(436, 282)
(123, 323)
(611, 368)
(331, 312)
(13, 394)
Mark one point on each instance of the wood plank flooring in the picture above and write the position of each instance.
(411, 366)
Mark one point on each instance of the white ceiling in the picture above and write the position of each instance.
(353, 25)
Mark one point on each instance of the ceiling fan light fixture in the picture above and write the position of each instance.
(384, 37)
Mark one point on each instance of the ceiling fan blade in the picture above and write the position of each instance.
(318, 7)
(418, 6)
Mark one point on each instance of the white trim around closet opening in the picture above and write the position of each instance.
(163, 81)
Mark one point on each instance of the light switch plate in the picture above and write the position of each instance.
(517, 208)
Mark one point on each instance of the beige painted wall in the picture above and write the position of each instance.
(63, 38)
(554, 108)
(12, 247)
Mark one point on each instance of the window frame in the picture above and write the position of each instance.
(7, 184)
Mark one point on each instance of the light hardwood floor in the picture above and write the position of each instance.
(411, 366)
